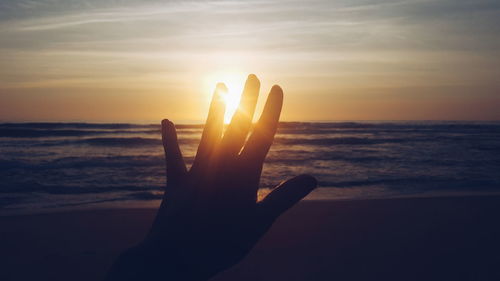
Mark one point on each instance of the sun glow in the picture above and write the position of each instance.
(234, 83)
(232, 100)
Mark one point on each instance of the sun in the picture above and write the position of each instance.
(234, 82)
(232, 100)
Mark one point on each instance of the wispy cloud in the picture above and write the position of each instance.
(438, 42)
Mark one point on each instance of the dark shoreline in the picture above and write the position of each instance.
(441, 238)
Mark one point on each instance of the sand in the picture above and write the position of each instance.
(454, 238)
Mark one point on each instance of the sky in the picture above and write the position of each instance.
(142, 61)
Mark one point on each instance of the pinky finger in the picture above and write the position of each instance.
(176, 168)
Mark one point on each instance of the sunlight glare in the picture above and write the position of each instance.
(234, 83)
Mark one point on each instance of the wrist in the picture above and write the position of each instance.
(150, 262)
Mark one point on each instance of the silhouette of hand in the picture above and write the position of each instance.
(209, 218)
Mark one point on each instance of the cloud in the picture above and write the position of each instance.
(291, 25)
(331, 44)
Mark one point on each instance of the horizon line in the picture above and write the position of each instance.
(195, 122)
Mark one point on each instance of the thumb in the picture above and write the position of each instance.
(287, 194)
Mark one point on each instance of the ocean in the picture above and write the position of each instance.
(56, 166)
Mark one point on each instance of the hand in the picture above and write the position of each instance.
(209, 218)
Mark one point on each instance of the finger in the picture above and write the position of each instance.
(285, 195)
(212, 131)
(260, 141)
(176, 169)
(237, 131)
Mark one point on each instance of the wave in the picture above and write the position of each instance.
(72, 189)
(129, 141)
(85, 162)
(149, 192)
(486, 143)
(37, 133)
(145, 142)
(282, 125)
(363, 140)
(149, 161)
(103, 126)
(121, 141)
(56, 125)
(11, 200)
(109, 162)
(144, 196)
(39, 130)
(125, 197)
(420, 183)
(99, 141)
(277, 159)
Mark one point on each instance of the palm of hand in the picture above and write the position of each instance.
(210, 217)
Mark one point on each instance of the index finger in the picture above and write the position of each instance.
(212, 130)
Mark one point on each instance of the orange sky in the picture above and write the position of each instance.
(141, 61)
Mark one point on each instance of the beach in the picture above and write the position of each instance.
(442, 238)
(367, 131)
